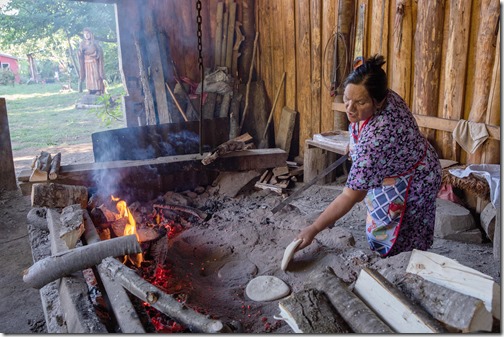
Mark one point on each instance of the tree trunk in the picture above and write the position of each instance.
(249, 31)
(402, 34)
(358, 316)
(58, 195)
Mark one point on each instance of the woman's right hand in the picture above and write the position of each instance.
(307, 235)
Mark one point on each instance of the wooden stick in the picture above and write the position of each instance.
(274, 105)
(56, 266)
(176, 102)
(218, 34)
(248, 82)
(165, 303)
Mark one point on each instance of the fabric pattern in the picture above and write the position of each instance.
(388, 146)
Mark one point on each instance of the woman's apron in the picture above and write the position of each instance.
(386, 205)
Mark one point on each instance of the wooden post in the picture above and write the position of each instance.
(218, 34)
(7, 172)
(400, 74)
(485, 51)
(427, 60)
(455, 72)
(230, 34)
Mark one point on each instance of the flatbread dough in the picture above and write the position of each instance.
(289, 253)
(266, 288)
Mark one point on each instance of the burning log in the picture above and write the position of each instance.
(165, 303)
(119, 300)
(40, 167)
(354, 311)
(55, 195)
(235, 144)
(185, 209)
(56, 266)
(55, 166)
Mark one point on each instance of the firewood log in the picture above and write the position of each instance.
(453, 275)
(58, 195)
(72, 225)
(165, 303)
(359, 317)
(40, 167)
(309, 311)
(392, 306)
(235, 144)
(119, 300)
(55, 166)
(458, 311)
(56, 266)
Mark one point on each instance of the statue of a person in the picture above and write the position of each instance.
(91, 64)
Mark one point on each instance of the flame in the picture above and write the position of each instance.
(130, 227)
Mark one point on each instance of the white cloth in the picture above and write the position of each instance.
(470, 135)
(490, 172)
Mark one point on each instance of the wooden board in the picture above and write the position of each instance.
(283, 136)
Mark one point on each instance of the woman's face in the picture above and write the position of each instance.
(359, 105)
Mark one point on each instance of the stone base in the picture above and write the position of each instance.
(89, 101)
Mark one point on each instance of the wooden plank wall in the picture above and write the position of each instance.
(459, 78)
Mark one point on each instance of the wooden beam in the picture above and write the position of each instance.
(161, 174)
(7, 172)
(449, 125)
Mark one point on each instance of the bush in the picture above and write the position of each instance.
(6, 77)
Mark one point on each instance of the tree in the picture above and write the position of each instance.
(52, 29)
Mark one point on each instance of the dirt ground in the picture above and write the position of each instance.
(215, 259)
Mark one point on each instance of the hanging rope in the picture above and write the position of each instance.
(202, 72)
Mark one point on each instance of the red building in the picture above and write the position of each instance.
(10, 62)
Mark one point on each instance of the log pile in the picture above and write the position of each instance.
(434, 294)
(279, 179)
(45, 167)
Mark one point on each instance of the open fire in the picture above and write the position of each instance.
(154, 228)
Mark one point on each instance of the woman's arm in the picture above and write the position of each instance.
(336, 209)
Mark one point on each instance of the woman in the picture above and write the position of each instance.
(91, 63)
(394, 168)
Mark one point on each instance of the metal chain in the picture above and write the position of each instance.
(202, 72)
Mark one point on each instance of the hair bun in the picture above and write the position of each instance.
(376, 61)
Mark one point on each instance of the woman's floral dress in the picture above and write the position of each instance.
(401, 171)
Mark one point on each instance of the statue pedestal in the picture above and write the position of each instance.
(89, 102)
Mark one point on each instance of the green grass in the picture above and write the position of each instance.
(40, 115)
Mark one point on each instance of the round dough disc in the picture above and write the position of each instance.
(266, 288)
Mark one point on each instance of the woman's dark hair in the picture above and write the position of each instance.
(371, 75)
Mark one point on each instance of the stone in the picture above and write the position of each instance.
(266, 288)
(451, 218)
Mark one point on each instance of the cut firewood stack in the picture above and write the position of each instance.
(45, 167)
(280, 178)
(433, 294)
